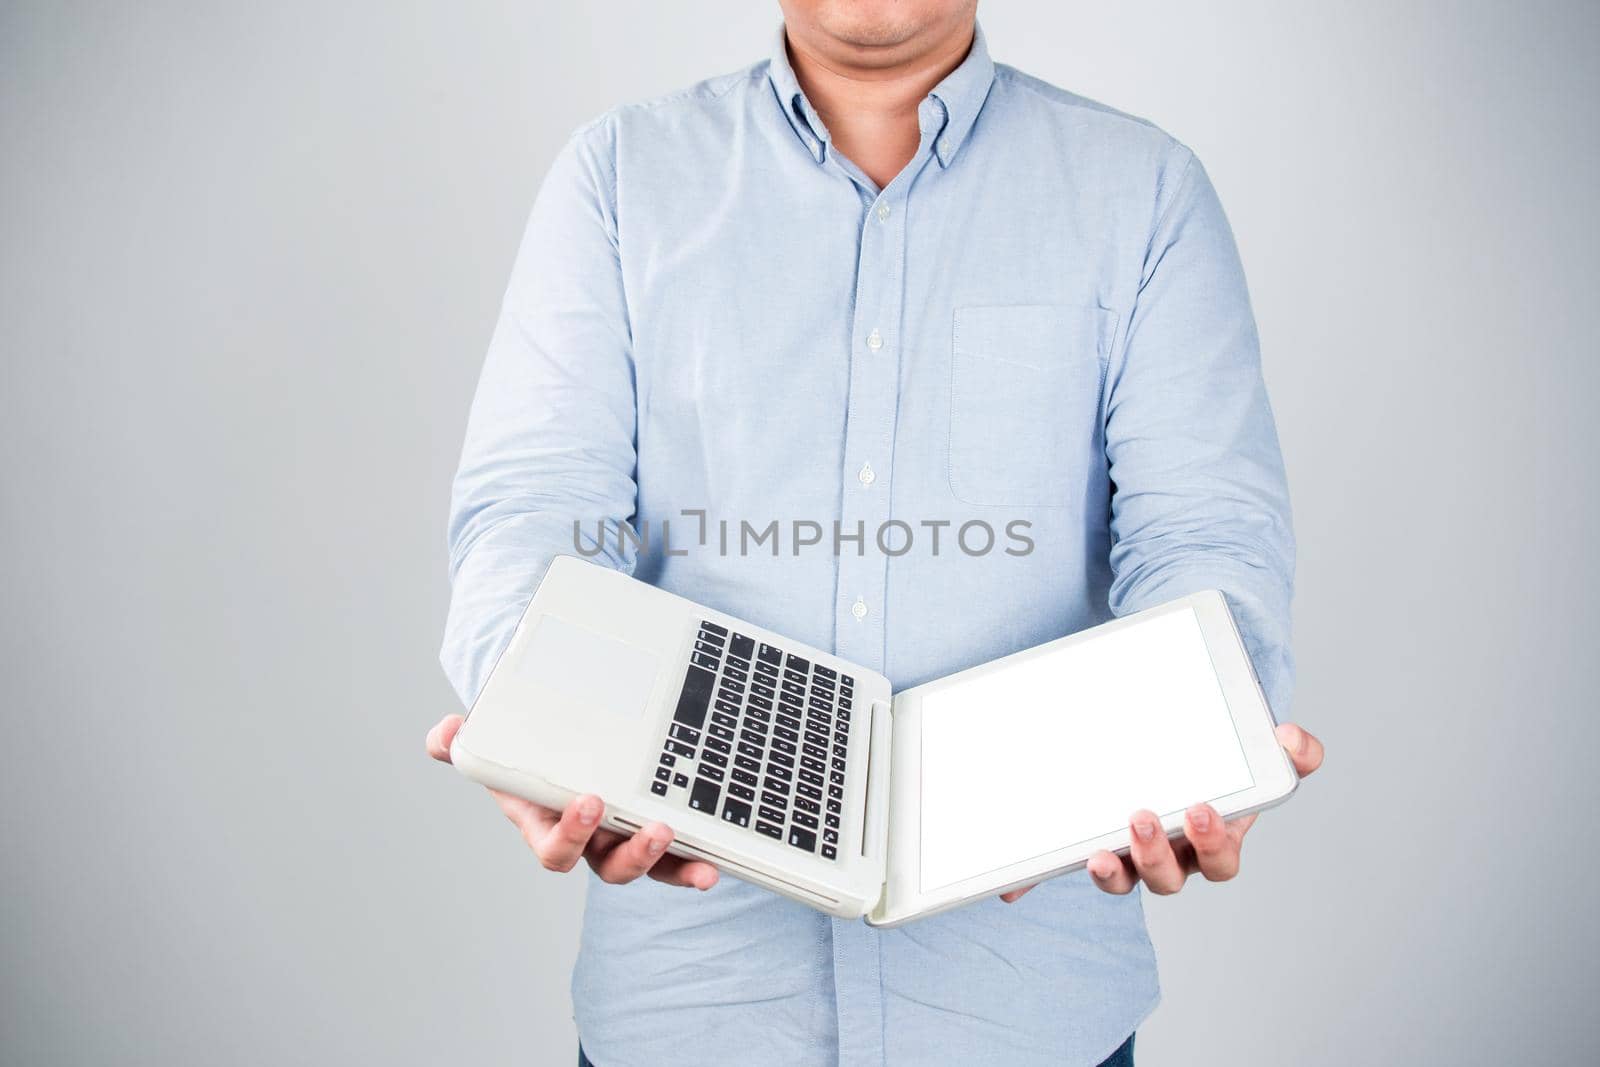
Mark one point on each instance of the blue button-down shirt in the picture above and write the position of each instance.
(718, 323)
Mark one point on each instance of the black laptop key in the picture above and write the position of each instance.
(831, 821)
(812, 763)
(811, 777)
(743, 776)
(743, 792)
(746, 749)
(663, 775)
(737, 661)
(716, 759)
(844, 713)
(794, 688)
(711, 627)
(710, 771)
(728, 707)
(776, 799)
(824, 672)
(784, 733)
(736, 674)
(768, 813)
(678, 748)
(767, 654)
(685, 734)
(829, 852)
(668, 759)
(836, 777)
(801, 665)
(780, 764)
(724, 720)
(815, 738)
(731, 692)
(747, 763)
(836, 792)
(700, 659)
(680, 780)
(658, 788)
(838, 763)
(833, 807)
(769, 829)
(831, 836)
(742, 646)
(790, 701)
(814, 751)
(736, 811)
(704, 795)
(702, 645)
(695, 696)
(800, 818)
(845, 705)
(807, 804)
(839, 749)
(802, 839)
(845, 679)
(811, 793)
(780, 745)
(760, 703)
(788, 722)
(792, 675)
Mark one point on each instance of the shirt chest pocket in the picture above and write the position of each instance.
(1025, 385)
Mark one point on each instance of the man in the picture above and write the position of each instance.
(874, 279)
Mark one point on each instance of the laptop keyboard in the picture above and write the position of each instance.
(759, 739)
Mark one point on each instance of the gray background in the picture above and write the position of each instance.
(252, 254)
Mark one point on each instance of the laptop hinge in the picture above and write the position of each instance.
(875, 811)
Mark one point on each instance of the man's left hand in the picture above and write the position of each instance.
(1209, 846)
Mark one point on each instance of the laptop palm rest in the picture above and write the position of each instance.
(589, 669)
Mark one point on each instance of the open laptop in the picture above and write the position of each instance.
(806, 774)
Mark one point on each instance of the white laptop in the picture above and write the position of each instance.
(806, 774)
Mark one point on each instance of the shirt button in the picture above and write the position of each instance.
(867, 476)
(874, 340)
(859, 608)
(883, 212)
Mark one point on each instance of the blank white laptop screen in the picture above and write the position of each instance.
(1063, 747)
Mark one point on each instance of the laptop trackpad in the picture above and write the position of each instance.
(588, 669)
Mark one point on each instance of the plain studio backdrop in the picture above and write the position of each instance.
(252, 255)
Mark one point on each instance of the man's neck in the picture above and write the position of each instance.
(868, 98)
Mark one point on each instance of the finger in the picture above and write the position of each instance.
(1112, 873)
(1152, 855)
(441, 735)
(534, 820)
(1305, 751)
(691, 874)
(562, 847)
(1016, 894)
(634, 856)
(1216, 852)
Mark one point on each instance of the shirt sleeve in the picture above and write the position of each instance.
(1199, 498)
(548, 464)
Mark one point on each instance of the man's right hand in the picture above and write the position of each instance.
(561, 838)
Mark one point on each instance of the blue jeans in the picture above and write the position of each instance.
(1123, 1057)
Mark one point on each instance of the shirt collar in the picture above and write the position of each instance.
(952, 107)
